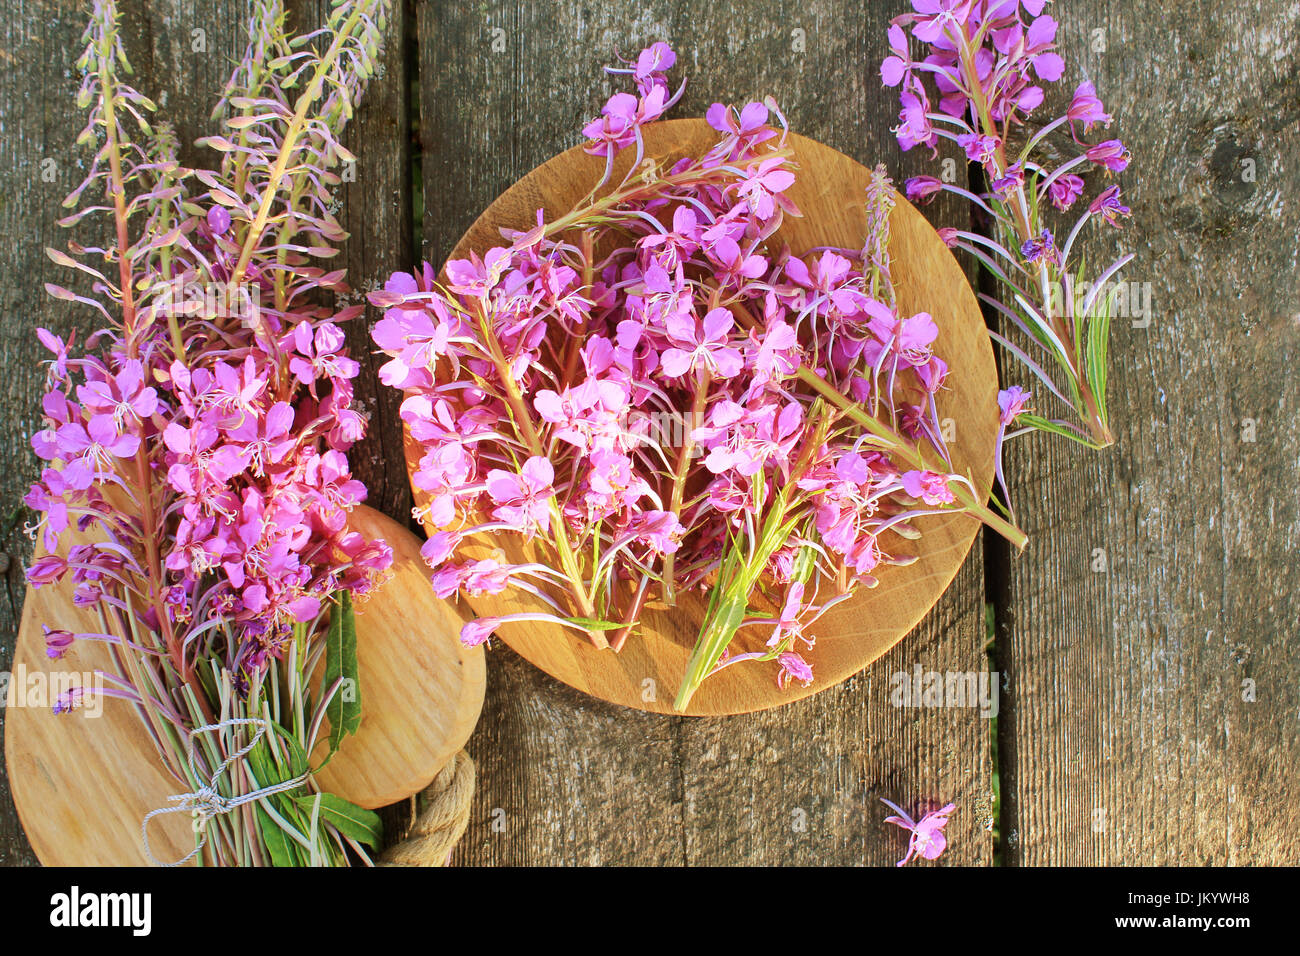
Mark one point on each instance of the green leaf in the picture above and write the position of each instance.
(344, 710)
(1044, 425)
(591, 624)
(364, 826)
(278, 845)
(299, 763)
(1097, 350)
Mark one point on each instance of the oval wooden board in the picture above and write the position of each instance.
(830, 193)
(83, 784)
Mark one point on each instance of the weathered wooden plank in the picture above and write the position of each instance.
(505, 85)
(1155, 700)
(183, 52)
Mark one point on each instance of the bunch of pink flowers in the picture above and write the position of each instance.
(195, 451)
(697, 407)
(242, 445)
(977, 81)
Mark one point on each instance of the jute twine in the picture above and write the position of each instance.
(441, 815)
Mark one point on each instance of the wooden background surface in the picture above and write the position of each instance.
(1147, 639)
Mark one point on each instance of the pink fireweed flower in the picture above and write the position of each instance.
(265, 440)
(832, 276)
(743, 130)
(46, 570)
(1111, 154)
(476, 632)
(910, 338)
(477, 277)
(1011, 402)
(701, 345)
(1009, 182)
(894, 68)
(793, 667)
(922, 188)
(776, 355)
(1086, 108)
(979, 148)
(763, 185)
(95, 446)
(1041, 248)
(735, 265)
(1064, 190)
(523, 499)
(661, 531)
(914, 126)
(1108, 206)
(57, 642)
(320, 354)
(588, 416)
(928, 486)
(651, 63)
(934, 18)
(927, 838)
(787, 625)
(69, 700)
(123, 397)
(56, 345)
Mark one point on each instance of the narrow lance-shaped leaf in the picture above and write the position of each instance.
(361, 825)
(344, 709)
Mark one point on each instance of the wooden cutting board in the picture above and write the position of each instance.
(83, 784)
(830, 192)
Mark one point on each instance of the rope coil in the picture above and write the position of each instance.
(441, 818)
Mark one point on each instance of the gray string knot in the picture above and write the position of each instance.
(206, 801)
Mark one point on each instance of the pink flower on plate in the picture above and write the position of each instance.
(928, 486)
(793, 667)
(927, 838)
(57, 641)
(476, 632)
(524, 498)
(701, 344)
(910, 337)
(763, 184)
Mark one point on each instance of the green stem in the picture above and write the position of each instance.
(900, 448)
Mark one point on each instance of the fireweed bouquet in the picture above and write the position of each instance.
(652, 394)
(198, 443)
(983, 63)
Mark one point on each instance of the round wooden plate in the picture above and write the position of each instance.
(83, 783)
(830, 193)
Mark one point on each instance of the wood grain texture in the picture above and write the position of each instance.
(1133, 740)
(1125, 687)
(646, 673)
(421, 693)
(569, 779)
